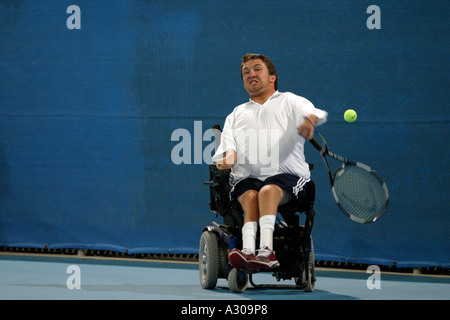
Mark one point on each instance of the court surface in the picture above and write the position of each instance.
(45, 278)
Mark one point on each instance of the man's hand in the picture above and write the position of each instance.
(227, 162)
(306, 129)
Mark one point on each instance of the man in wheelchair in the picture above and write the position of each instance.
(262, 144)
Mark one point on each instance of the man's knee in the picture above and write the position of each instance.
(248, 196)
(271, 190)
(249, 203)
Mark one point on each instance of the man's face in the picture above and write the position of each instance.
(256, 78)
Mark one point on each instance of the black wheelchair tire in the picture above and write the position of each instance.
(308, 284)
(208, 260)
(237, 281)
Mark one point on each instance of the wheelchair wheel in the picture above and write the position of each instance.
(308, 284)
(237, 280)
(208, 260)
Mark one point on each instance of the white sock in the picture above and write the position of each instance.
(249, 236)
(266, 225)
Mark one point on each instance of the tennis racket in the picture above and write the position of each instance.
(357, 189)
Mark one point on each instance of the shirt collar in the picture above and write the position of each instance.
(273, 96)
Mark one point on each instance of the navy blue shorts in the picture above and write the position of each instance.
(285, 181)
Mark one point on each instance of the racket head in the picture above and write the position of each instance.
(359, 192)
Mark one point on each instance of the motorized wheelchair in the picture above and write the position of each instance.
(292, 242)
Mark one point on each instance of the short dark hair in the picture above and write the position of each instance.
(269, 64)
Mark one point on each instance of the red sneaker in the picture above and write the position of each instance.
(239, 260)
(264, 260)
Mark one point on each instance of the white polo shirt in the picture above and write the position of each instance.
(265, 137)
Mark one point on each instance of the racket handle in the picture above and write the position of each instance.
(314, 141)
(316, 145)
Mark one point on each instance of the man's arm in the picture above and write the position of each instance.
(306, 129)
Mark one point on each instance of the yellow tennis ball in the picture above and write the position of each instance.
(350, 115)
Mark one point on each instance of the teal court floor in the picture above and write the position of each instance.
(51, 278)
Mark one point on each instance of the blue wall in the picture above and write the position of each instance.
(86, 117)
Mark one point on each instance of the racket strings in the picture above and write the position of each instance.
(360, 193)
